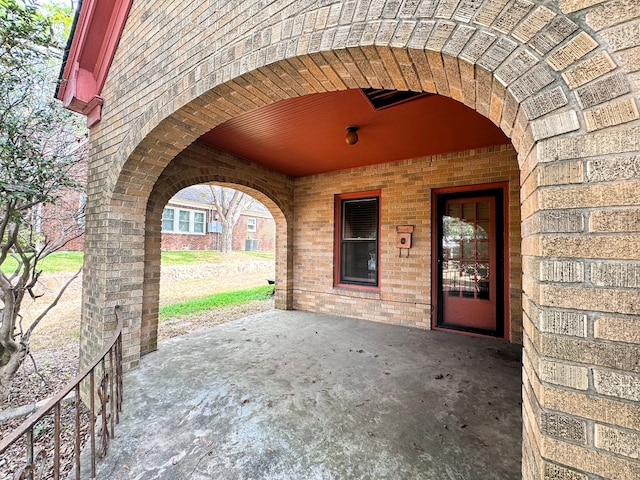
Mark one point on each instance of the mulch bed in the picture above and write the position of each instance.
(55, 368)
(43, 442)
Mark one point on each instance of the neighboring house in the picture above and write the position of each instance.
(63, 223)
(494, 188)
(190, 222)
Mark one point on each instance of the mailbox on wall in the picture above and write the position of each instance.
(403, 236)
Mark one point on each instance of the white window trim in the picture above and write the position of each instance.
(176, 221)
(250, 222)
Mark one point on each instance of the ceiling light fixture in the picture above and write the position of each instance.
(352, 135)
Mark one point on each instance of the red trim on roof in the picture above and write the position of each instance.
(93, 46)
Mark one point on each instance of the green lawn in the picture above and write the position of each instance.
(224, 299)
(72, 261)
(54, 263)
(185, 257)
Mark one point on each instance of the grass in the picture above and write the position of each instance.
(72, 261)
(224, 299)
(55, 263)
(190, 257)
(268, 255)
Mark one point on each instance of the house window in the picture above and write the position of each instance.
(252, 224)
(183, 221)
(167, 219)
(357, 245)
(251, 244)
(198, 222)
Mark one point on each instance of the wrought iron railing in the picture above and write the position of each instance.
(106, 372)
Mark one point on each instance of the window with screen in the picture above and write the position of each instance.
(358, 240)
(183, 221)
(168, 217)
(198, 222)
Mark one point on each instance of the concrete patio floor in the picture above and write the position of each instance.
(296, 395)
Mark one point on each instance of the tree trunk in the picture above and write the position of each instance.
(226, 239)
(8, 370)
(229, 204)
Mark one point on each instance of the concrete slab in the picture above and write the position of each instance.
(295, 395)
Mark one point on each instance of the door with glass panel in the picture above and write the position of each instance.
(470, 264)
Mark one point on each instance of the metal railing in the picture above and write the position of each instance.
(106, 371)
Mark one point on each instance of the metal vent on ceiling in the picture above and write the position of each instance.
(388, 98)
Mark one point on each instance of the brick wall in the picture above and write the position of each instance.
(62, 222)
(406, 187)
(560, 78)
(264, 234)
(178, 241)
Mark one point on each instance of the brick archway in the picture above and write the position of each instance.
(553, 77)
(221, 168)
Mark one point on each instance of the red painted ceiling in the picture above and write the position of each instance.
(305, 136)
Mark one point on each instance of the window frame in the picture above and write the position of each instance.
(181, 221)
(173, 220)
(202, 223)
(252, 221)
(176, 221)
(338, 240)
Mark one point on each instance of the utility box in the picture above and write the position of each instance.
(214, 227)
(403, 236)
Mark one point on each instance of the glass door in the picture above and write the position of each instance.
(469, 262)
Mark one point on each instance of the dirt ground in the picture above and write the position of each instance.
(55, 342)
(178, 283)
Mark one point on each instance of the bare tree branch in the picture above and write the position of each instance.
(34, 324)
(229, 204)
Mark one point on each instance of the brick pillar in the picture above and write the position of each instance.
(284, 263)
(581, 380)
(113, 275)
(151, 286)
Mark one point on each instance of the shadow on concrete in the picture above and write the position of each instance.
(296, 395)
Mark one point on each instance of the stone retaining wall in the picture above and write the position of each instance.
(177, 273)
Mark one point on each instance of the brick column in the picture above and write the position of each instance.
(582, 348)
(113, 275)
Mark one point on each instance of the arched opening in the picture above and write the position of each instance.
(306, 135)
(405, 188)
(218, 248)
(401, 298)
(179, 175)
(169, 138)
(526, 87)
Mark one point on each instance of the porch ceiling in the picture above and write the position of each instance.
(306, 135)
